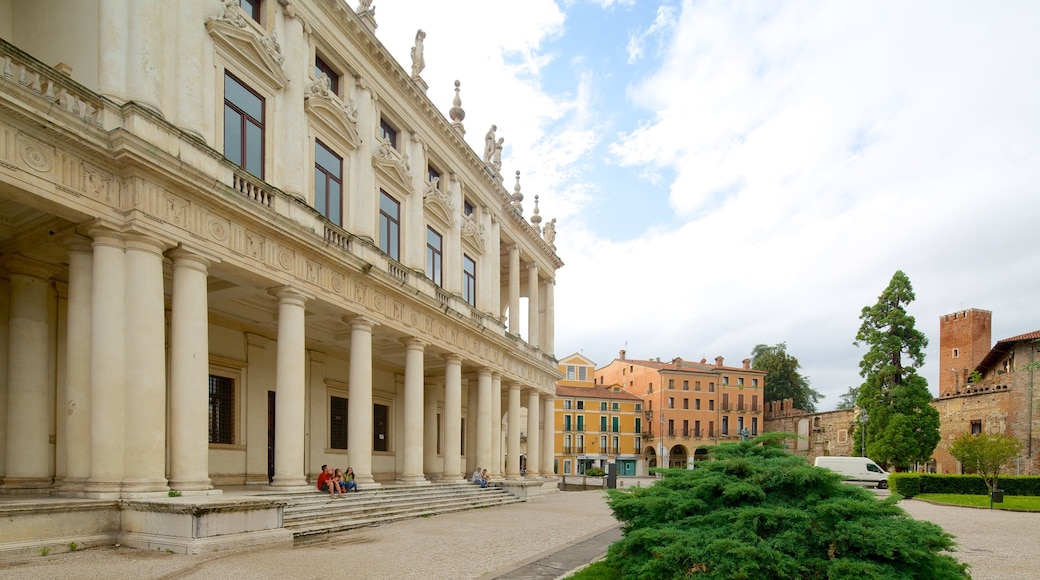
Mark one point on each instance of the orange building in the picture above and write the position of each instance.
(595, 424)
(688, 406)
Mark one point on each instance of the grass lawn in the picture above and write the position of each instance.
(1011, 502)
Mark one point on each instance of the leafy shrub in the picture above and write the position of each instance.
(760, 512)
(911, 484)
(595, 472)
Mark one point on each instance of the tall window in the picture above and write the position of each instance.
(615, 425)
(639, 425)
(566, 422)
(328, 183)
(602, 422)
(320, 67)
(388, 133)
(469, 280)
(581, 422)
(251, 8)
(725, 425)
(243, 126)
(380, 427)
(221, 409)
(389, 225)
(433, 176)
(337, 423)
(434, 256)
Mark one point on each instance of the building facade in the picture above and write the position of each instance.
(238, 241)
(596, 424)
(984, 389)
(688, 406)
(817, 434)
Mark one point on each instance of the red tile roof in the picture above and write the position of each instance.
(596, 392)
(1003, 347)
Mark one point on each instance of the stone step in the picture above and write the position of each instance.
(313, 515)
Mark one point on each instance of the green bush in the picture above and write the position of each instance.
(912, 484)
(595, 472)
(760, 512)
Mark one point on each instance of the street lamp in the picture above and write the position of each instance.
(863, 418)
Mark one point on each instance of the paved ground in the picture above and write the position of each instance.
(539, 540)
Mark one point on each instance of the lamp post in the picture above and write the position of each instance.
(863, 418)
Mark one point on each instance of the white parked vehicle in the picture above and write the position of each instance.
(861, 470)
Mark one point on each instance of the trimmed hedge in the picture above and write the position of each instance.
(911, 484)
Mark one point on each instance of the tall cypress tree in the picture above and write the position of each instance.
(903, 428)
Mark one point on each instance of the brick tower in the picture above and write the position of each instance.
(964, 339)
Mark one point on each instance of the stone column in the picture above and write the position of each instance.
(145, 403)
(494, 270)
(548, 435)
(452, 418)
(77, 388)
(513, 436)
(514, 290)
(5, 303)
(190, 96)
(534, 449)
(189, 373)
(290, 399)
(29, 456)
(533, 328)
(413, 413)
(483, 417)
(107, 365)
(359, 411)
(549, 321)
(112, 68)
(144, 54)
(294, 153)
(496, 426)
(430, 434)
(470, 446)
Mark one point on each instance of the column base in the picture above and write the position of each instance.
(26, 486)
(145, 486)
(291, 488)
(450, 479)
(73, 484)
(282, 482)
(411, 480)
(193, 485)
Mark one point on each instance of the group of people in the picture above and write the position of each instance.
(481, 477)
(336, 482)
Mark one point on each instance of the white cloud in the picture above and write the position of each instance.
(663, 22)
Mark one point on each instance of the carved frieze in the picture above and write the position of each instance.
(393, 166)
(246, 48)
(473, 232)
(439, 204)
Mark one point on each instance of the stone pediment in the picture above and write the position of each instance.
(393, 166)
(246, 49)
(473, 233)
(439, 204)
(334, 117)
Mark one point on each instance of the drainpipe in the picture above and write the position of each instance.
(1032, 373)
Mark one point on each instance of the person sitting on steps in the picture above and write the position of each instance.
(326, 483)
(478, 478)
(347, 483)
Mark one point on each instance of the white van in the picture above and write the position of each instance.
(856, 470)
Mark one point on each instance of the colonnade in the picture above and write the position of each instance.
(112, 405)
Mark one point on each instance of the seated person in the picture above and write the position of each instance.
(326, 483)
(347, 482)
(487, 478)
(478, 478)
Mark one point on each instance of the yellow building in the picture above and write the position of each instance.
(688, 406)
(595, 424)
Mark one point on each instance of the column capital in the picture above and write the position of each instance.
(18, 264)
(412, 343)
(453, 358)
(360, 322)
(79, 243)
(144, 242)
(290, 294)
(484, 372)
(200, 255)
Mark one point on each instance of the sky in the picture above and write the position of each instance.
(727, 174)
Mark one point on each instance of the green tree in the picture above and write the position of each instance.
(903, 427)
(985, 454)
(848, 399)
(757, 511)
(783, 381)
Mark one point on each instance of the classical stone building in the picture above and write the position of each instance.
(239, 241)
(596, 424)
(688, 406)
(818, 434)
(984, 389)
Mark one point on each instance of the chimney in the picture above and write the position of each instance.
(718, 362)
(621, 354)
(677, 361)
(747, 364)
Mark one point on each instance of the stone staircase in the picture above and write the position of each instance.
(314, 515)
